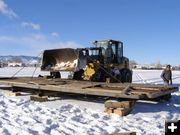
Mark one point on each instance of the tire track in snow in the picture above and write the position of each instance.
(176, 77)
(141, 79)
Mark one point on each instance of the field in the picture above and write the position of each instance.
(80, 116)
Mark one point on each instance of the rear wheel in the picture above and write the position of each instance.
(126, 75)
(55, 74)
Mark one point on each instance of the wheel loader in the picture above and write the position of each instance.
(104, 62)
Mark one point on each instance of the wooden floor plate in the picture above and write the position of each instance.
(117, 90)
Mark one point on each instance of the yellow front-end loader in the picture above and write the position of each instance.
(102, 63)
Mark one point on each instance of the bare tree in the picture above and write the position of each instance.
(158, 65)
(132, 64)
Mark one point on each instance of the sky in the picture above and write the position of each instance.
(149, 29)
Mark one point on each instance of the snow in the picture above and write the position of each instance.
(71, 116)
(26, 72)
(153, 77)
(65, 65)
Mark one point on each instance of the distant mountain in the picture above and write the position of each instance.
(21, 58)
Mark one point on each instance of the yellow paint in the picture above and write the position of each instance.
(89, 71)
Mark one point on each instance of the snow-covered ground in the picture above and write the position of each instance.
(70, 116)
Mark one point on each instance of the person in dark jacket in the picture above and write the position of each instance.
(167, 75)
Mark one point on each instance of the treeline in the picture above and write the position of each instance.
(155, 66)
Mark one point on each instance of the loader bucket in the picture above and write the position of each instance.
(65, 59)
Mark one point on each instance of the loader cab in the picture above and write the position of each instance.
(95, 54)
(112, 50)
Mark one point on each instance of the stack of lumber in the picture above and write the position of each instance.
(121, 108)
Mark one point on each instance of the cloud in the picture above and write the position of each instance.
(6, 38)
(31, 25)
(54, 34)
(4, 9)
(38, 36)
(68, 44)
(32, 44)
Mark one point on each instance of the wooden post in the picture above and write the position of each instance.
(108, 80)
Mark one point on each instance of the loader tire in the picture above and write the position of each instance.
(55, 74)
(78, 75)
(98, 76)
(126, 76)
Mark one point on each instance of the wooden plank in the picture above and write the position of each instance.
(38, 98)
(13, 94)
(122, 111)
(159, 94)
(127, 133)
(119, 104)
(127, 89)
(6, 87)
(121, 86)
(77, 90)
(109, 110)
(111, 85)
(135, 85)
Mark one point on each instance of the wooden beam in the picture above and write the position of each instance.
(13, 94)
(122, 111)
(127, 133)
(39, 99)
(119, 104)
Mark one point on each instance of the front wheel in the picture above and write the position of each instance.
(126, 75)
(55, 74)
